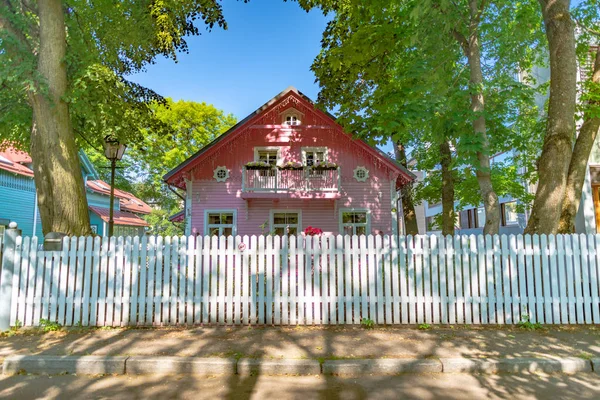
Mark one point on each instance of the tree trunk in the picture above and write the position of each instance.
(579, 159)
(448, 216)
(553, 164)
(57, 173)
(408, 206)
(484, 177)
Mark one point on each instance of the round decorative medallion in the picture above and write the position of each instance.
(221, 174)
(361, 174)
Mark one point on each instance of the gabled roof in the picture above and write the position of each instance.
(13, 160)
(405, 175)
(120, 217)
(127, 201)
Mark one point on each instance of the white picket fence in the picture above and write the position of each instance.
(305, 281)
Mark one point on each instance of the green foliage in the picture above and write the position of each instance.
(367, 323)
(395, 72)
(525, 323)
(106, 43)
(424, 327)
(49, 326)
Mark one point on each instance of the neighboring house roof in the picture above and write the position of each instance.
(127, 201)
(13, 160)
(171, 177)
(119, 217)
(179, 217)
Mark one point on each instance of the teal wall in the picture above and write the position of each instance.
(17, 197)
(96, 220)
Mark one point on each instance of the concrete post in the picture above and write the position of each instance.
(8, 269)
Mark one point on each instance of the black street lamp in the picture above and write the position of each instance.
(113, 150)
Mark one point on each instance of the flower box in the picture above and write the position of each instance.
(291, 165)
(258, 165)
(324, 166)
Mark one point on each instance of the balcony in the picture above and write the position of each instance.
(293, 183)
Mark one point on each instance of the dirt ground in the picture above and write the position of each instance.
(311, 342)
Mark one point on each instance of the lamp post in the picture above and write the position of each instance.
(113, 150)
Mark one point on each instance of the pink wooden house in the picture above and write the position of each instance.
(285, 167)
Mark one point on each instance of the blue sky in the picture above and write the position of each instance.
(270, 45)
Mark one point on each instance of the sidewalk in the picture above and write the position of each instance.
(318, 343)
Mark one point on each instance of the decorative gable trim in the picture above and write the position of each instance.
(270, 111)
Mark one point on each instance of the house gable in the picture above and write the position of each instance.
(266, 122)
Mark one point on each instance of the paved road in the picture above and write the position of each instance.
(432, 386)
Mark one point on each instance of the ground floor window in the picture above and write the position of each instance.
(285, 222)
(355, 222)
(472, 218)
(124, 230)
(220, 222)
(509, 213)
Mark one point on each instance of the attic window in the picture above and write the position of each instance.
(292, 120)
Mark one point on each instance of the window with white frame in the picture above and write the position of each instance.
(269, 155)
(354, 222)
(292, 120)
(220, 222)
(285, 222)
(312, 156)
(509, 213)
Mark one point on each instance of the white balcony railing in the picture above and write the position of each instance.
(277, 180)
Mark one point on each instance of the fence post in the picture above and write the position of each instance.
(8, 268)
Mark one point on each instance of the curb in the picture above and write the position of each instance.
(86, 365)
(249, 366)
(570, 365)
(386, 366)
(157, 365)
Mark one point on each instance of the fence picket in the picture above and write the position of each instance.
(150, 281)
(529, 279)
(128, 282)
(138, 312)
(340, 290)
(331, 280)
(565, 306)
(546, 299)
(230, 280)
(450, 274)
(483, 267)
(386, 279)
(595, 279)
(276, 281)
(373, 266)
(87, 281)
(284, 298)
(426, 280)
(538, 285)
(29, 259)
(48, 265)
(577, 293)
(496, 301)
(395, 284)
(585, 279)
(239, 286)
(355, 281)
(553, 254)
(293, 276)
(302, 308)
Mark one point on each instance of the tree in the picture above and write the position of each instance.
(407, 195)
(553, 164)
(415, 71)
(48, 50)
(191, 126)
